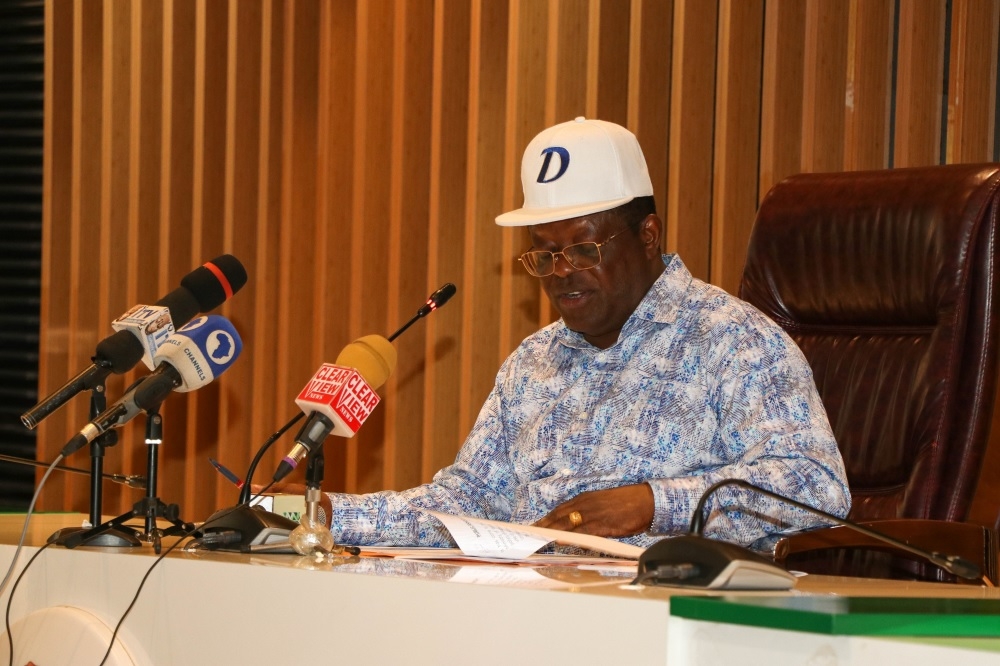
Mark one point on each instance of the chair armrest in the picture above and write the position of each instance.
(975, 543)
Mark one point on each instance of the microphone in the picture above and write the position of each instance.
(434, 301)
(189, 359)
(341, 396)
(263, 529)
(142, 329)
(716, 564)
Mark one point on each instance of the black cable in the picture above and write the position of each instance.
(159, 559)
(142, 583)
(20, 545)
(245, 490)
(10, 601)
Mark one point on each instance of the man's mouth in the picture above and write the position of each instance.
(571, 297)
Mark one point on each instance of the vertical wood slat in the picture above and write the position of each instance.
(242, 148)
(737, 138)
(611, 32)
(824, 85)
(83, 324)
(446, 230)
(972, 92)
(920, 59)
(692, 102)
(62, 63)
(413, 100)
(531, 77)
(353, 155)
(781, 92)
(868, 84)
(650, 63)
(484, 197)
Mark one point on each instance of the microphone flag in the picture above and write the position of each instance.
(342, 395)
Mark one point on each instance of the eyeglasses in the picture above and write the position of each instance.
(581, 256)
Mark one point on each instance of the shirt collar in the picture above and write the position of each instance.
(659, 305)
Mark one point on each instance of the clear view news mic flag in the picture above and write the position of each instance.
(340, 397)
(189, 359)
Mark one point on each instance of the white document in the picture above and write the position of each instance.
(478, 537)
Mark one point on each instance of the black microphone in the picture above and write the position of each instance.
(189, 359)
(434, 301)
(717, 564)
(203, 289)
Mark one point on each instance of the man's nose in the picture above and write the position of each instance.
(561, 266)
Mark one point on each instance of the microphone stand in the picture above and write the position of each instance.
(150, 507)
(311, 535)
(111, 537)
(255, 526)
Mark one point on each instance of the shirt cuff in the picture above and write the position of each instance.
(674, 501)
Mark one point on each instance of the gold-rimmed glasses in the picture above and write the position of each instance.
(581, 256)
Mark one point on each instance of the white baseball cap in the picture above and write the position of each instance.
(576, 168)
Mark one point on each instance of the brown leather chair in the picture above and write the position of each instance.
(888, 282)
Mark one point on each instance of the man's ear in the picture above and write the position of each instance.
(651, 235)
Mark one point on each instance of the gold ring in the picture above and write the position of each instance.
(575, 519)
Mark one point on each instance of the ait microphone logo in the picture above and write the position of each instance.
(221, 347)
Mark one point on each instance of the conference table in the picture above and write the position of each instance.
(211, 607)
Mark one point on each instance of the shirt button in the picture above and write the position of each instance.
(567, 472)
(584, 415)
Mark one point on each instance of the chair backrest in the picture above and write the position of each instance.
(888, 281)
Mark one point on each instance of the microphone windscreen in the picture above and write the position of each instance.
(441, 296)
(201, 350)
(182, 305)
(120, 351)
(372, 356)
(215, 282)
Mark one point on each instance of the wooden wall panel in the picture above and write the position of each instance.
(244, 64)
(824, 85)
(868, 84)
(781, 92)
(920, 66)
(61, 187)
(409, 246)
(484, 196)
(688, 208)
(650, 58)
(338, 26)
(611, 89)
(353, 154)
(531, 74)
(450, 142)
(972, 82)
(737, 139)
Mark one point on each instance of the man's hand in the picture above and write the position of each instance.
(617, 512)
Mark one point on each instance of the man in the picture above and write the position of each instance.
(652, 386)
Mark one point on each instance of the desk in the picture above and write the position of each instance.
(216, 608)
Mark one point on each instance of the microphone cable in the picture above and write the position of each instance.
(159, 559)
(245, 490)
(10, 599)
(20, 545)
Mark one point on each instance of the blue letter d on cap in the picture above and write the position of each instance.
(563, 163)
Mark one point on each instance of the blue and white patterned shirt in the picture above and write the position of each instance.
(700, 387)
